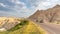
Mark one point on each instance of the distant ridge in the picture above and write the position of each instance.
(49, 15)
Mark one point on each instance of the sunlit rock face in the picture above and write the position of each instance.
(49, 15)
(8, 22)
(2, 29)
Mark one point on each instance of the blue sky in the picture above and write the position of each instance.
(24, 8)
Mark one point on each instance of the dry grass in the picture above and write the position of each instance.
(29, 28)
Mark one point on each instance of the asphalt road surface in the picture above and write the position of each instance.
(50, 28)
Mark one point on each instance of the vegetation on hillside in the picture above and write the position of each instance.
(20, 25)
(25, 27)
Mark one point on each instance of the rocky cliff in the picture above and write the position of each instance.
(49, 15)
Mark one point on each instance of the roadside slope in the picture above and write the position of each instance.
(30, 28)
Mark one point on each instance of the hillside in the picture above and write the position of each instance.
(49, 15)
(13, 25)
(7, 23)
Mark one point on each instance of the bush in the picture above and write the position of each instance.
(23, 22)
(20, 25)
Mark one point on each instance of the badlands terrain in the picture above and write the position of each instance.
(13, 25)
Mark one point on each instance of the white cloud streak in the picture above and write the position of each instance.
(1, 4)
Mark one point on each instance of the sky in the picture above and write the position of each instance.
(24, 8)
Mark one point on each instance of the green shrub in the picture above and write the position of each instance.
(20, 25)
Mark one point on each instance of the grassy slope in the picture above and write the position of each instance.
(30, 28)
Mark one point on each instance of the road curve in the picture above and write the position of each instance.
(50, 28)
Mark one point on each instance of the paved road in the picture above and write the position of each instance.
(50, 28)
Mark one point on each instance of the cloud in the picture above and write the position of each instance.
(43, 5)
(18, 8)
(17, 2)
(40, 4)
(25, 8)
(1, 4)
(18, 5)
(5, 8)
